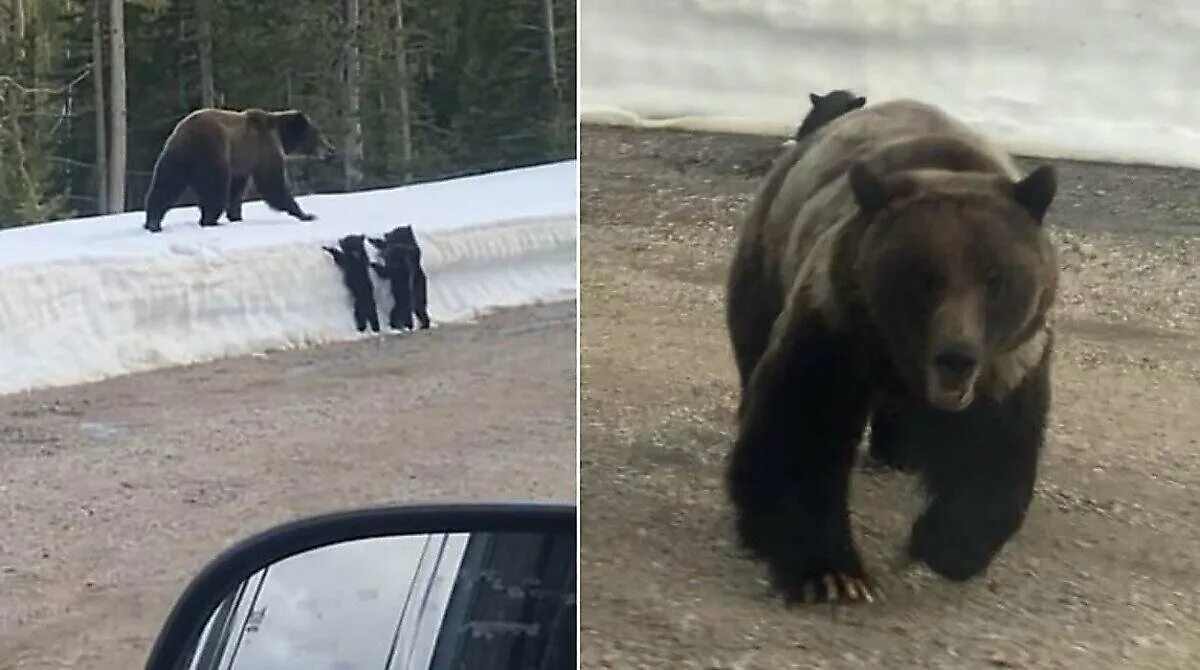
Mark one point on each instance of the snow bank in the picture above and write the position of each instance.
(1077, 79)
(86, 299)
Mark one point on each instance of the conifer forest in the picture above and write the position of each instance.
(407, 90)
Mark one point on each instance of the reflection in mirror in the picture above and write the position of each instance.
(437, 602)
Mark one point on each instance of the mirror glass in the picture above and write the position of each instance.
(462, 600)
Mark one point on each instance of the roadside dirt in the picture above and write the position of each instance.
(112, 495)
(1105, 572)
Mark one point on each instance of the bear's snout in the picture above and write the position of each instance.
(951, 376)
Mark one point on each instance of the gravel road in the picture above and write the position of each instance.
(1105, 572)
(113, 494)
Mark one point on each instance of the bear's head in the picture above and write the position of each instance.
(955, 271)
(354, 246)
(299, 136)
(400, 235)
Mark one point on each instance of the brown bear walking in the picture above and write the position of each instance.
(217, 151)
(895, 269)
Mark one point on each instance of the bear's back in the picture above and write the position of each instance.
(807, 193)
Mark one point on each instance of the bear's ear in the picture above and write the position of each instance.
(858, 102)
(377, 242)
(814, 99)
(1036, 191)
(870, 192)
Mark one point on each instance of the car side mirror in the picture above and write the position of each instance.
(415, 586)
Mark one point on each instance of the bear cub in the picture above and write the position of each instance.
(217, 152)
(351, 258)
(826, 108)
(402, 268)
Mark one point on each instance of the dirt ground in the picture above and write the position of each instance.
(112, 495)
(1105, 572)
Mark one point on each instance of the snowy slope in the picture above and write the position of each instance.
(85, 299)
(1112, 80)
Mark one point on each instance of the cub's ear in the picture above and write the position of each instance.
(1036, 191)
(858, 102)
(814, 98)
(377, 242)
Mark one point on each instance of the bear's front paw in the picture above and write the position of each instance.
(806, 569)
(305, 216)
(949, 547)
(832, 586)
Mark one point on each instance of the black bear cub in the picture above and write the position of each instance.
(402, 268)
(351, 258)
(826, 108)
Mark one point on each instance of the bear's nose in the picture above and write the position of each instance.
(956, 359)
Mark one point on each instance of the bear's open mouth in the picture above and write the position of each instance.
(950, 395)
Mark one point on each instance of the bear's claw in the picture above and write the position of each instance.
(836, 587)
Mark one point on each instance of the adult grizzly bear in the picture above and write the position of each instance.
(896, 266)
(217, 151)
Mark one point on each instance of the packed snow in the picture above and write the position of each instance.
(1079, 79)
(86, 299)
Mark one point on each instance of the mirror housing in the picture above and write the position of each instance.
(178, 639)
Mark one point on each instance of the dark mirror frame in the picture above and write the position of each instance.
(231, 567)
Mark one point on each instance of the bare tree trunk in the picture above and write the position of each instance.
(551, 50)
(406, 142)
(101, 120)
(204, 49)
(352, 141)
(19, 19)
(117, 108)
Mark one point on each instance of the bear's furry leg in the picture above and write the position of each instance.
(420, 298)
(271, 184)
(788, 475)
(749, 319)
(981, 477)
(212, 190)
(167, 183)
(402, 309)
(237, 191)
(360, 318)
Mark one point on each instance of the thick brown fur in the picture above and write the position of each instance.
(216, 152)
(894, 266)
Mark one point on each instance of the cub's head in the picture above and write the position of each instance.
(826, 108)
(299, 136)
(354, 246)
(955, 270)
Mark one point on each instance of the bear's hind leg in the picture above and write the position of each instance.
(212, 190)
(167, 183)
(409, 295)
(788, 475)
(237, 191)
(980, 479)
